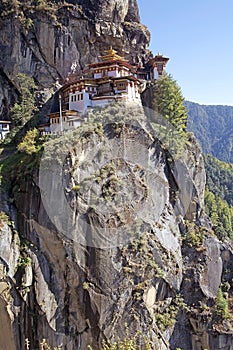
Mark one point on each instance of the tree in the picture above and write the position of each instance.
(169, 102)
(23, 111)
(221, 214)
(28, 144)
(221, 305)
(211, 206)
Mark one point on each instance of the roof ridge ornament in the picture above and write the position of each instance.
(111, 55)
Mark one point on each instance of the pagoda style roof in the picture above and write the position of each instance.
(110, 78)
(159, 59)
(110, 63)
(65, 113)
(83, 81)
(111, 58)
(42, 126)
(111, 55)
(97, 81)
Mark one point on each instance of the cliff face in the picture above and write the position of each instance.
(49, 42)
(105, 227)
(104, 238)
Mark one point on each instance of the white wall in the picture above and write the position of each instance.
(4, 131)
(77, 105)
(113, 73)
(100, 103)
(156, 74)
(97, 75)
(130, 91)
(87, 101)
(3, 134)
(55, 127)
(65, 126)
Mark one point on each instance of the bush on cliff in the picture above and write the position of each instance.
(28, 144)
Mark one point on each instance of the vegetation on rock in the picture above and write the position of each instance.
(194, 235)
(25, 9)
(221, 305)
(29, 142)
(135, 342)
(23, 111)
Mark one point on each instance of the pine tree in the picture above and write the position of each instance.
(211, 206)
(221, 305)
(23, 111)
(169, 102)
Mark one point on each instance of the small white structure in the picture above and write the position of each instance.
(67, 120)
(4, 128)
(158, 64)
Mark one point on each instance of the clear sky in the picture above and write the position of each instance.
(197, 35)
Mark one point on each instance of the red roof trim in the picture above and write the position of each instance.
(111, 62)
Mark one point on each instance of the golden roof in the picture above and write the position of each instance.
(111, 55)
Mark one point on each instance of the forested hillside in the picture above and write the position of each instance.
(213, 127)
(219, 195)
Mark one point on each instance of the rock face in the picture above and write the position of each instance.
(62, 38)
(102, 242)
(105, 228)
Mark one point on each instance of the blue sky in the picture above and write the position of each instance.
(197, 35)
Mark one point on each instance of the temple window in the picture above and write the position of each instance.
(121, 86)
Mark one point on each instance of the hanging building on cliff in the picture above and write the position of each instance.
(111, 79)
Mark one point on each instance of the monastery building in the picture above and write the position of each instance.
(111, 79)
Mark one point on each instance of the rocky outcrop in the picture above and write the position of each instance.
(102, 243)
(62, 38)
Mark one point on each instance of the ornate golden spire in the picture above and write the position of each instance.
(111, 55)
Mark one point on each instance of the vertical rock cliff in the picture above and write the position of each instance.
(105, 226)
(104, 229)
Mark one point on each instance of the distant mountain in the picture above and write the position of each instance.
(213, 127)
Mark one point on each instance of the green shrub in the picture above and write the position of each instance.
(23, 110)
(221, 305)
(28, 144)
(76, 188)
(128, 343)
(194, 235)
(4, 217)
(24, 261)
